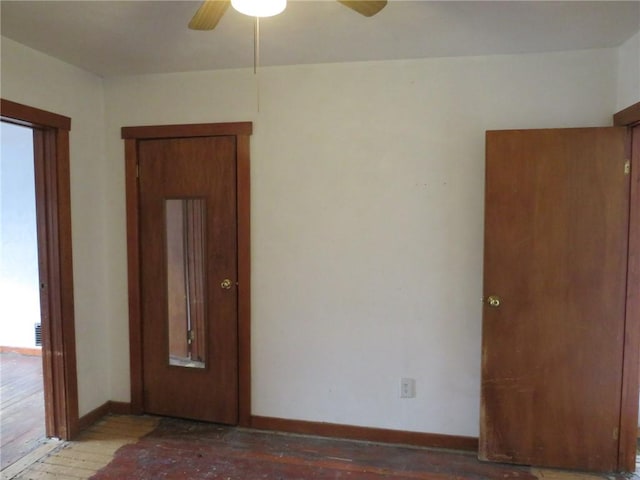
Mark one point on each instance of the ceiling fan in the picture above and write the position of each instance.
(211, 11)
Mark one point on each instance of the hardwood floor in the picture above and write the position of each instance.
(22, 426)
(80, 459)
(128, 448)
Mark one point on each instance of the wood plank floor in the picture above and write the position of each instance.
(117, 448)
(80, 459)
(22, 426)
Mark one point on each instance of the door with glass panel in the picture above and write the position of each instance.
(188, 277)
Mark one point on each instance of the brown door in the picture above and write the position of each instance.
(556, 226)
(189, 271)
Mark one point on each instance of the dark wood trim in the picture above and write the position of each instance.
(28, 351)
(53, 217)
(244, 279)
(120, 408)
(93, 416)
(628, 116)
(133, 275)
(192, 130)
(65, 275)
(131, 136)
(631, 361)
(54, 335)
(110, 407)
(32, 117)
(380, 435)
(51, 420)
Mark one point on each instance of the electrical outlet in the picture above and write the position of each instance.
(407, 388)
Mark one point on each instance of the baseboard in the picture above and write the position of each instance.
(31, 351)
(117, 408)
(381, 435)
(93, 416)
(120, 408)
(321, 429)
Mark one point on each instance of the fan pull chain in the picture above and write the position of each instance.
(256, 45)
(256, 58)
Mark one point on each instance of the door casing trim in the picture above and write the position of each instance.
(131, 136)
(53, 216)
(630, 117)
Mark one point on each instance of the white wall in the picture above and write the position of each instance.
(367, 194)
(628, 72)
(19, 280)
(40, 81)
(367, 191)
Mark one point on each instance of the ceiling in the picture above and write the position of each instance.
(135, 37)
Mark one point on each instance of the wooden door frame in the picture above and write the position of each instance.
(630, 117)
(131, 136)
(55, 266)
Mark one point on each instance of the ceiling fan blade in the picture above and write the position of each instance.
(368, 8)
(209, 14)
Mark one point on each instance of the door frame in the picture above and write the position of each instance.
(630, 117)
(131, 136)
(55, 265)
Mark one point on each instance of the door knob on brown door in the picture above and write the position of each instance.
(226, 284)
(493, 301)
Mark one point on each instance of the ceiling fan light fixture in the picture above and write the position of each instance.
(259, 8)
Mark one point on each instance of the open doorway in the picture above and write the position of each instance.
(49, 134)
(22, 417)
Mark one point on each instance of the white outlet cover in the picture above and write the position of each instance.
(407, 387)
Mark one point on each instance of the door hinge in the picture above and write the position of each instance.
(137, 170)
(627, 167)
(616, 432)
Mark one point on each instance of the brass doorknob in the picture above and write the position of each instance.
(493, 301)
(226, 284)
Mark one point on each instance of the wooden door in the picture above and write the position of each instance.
(188, 277)
(556, 233)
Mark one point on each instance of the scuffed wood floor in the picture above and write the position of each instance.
(83, 457)
(193, 450)
(21, 406)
